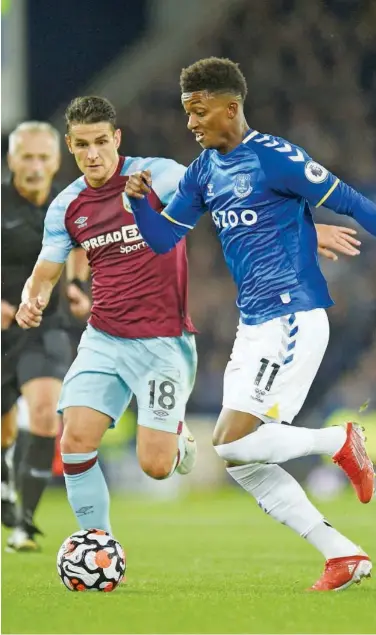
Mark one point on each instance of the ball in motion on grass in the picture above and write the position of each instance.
(91, 560)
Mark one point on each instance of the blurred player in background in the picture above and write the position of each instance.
(140, 338)
(33, 364)
(259, 190)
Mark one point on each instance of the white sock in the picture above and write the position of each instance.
(330, 542)
(277, 443)
(179, 455)
(281, 497)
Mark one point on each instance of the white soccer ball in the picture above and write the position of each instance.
(91, 560)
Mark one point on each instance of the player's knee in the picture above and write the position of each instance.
(157, 467)
(75, 441)
(72, 442)
(43, 419)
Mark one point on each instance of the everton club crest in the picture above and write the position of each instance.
(243, 185)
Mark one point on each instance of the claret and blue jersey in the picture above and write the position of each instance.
(260, 196)
(135, 292)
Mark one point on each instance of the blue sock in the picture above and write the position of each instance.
(87, 490)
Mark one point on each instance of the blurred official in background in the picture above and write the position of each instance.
(33, 362)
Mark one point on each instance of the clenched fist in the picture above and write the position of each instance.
(29, 314)
(139, 184)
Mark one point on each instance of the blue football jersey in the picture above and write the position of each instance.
(260, 196)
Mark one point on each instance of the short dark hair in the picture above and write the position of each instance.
(214, 74)
(90, 109)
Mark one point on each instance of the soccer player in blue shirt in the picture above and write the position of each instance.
(260, 191)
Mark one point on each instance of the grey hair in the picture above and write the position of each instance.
(32, 126)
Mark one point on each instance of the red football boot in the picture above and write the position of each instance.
(340, 573)
(355, 462)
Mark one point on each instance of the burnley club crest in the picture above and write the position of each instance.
(243, 185)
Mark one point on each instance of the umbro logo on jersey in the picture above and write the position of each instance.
(243, 185)
(81, 222)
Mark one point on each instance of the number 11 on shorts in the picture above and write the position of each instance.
(264, 363)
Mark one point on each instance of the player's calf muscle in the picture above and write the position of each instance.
(233, 425)
(156, 451)
(158, 463)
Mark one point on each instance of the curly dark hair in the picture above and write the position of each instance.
(214, 74)
(90, 109)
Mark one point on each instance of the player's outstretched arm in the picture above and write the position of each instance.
(163, 231)
(291, 170)
(332, 239)
(345, 200)
(299, 174)
(37, 292)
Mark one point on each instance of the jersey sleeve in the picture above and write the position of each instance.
(187, 205)
(166, 175)
(57, 243)
(292, 171)
(163, 231)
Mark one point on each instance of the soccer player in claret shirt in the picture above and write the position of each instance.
(140, 339)
(259, 190)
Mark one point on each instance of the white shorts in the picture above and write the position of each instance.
(273, 365)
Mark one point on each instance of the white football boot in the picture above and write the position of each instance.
(189, 460)
(22, 538)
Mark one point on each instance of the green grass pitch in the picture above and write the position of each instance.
(208, 563)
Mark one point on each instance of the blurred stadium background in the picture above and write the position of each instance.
(311, 70)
